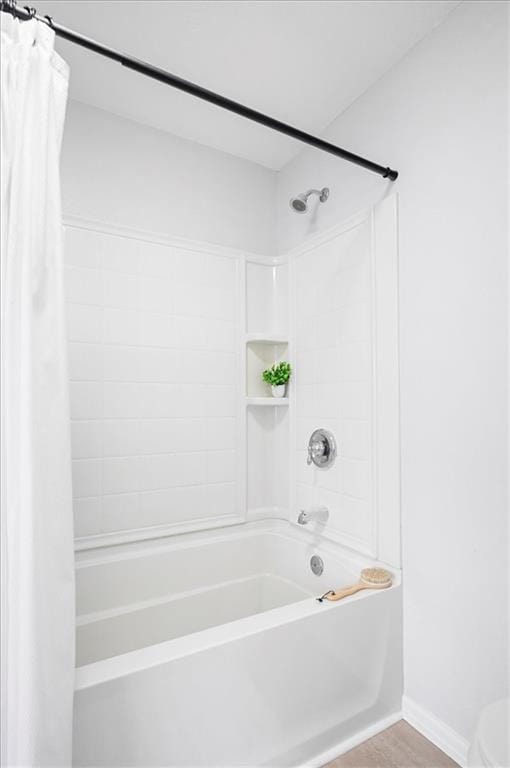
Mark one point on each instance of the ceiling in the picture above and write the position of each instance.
(299, 61)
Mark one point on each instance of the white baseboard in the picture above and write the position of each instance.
(440, 734)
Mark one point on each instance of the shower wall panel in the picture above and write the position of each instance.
(346, 379)
(155, 384)
(334, 378)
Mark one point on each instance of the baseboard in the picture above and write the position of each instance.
(440, 734)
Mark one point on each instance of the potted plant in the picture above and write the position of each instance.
(277, 377)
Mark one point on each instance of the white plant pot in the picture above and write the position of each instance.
(278, 391)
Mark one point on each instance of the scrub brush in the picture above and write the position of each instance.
(370, 578)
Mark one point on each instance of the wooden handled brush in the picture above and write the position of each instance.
(370, 578)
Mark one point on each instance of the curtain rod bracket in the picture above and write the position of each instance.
(143, 68)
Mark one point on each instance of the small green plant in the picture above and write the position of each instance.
(278, 374)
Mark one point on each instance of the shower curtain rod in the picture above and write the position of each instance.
(143, 68)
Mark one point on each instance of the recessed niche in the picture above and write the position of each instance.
(262, 354)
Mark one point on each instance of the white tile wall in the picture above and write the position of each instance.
(153, 357)
(333, 378)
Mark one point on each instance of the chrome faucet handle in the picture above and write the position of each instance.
(321, 449)
(316, 450)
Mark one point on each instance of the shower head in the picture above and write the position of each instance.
(299, 203)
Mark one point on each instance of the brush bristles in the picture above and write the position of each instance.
(376, 576)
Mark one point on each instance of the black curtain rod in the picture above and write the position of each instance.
(25, 14)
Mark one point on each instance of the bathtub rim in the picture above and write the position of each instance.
(133, 662)
(351, 559)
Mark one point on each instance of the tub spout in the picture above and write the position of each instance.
(320, 514)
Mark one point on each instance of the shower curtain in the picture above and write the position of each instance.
(37, 587)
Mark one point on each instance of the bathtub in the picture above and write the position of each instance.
(210, 649)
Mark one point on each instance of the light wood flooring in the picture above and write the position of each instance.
(399, 746)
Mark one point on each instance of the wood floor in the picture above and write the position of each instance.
(399, 746)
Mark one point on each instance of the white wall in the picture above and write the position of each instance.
(333, 381)
(154, 329)
(154, 358)
(439, 117)
(120, 172)
(344, 295)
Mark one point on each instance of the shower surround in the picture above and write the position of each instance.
(345, 322)
(189, 479)
(154, 364)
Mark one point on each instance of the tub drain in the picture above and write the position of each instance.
(317, 565)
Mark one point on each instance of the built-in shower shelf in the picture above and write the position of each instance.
(262, 352)
(267, 401)
(264, 338)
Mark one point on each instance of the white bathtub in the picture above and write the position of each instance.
(211, 650)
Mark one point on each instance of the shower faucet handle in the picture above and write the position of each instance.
(321, 448)
(316, 449)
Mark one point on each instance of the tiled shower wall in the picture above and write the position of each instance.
(153, 356)
(334, 381)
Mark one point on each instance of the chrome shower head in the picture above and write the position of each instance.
(299, 203)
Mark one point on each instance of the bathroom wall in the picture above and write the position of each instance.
(345, 339)
(440, 118)
(156, 323)
(120, 172)
(333, 357)
(154, 358)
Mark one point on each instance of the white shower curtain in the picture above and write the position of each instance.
(37, 538)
